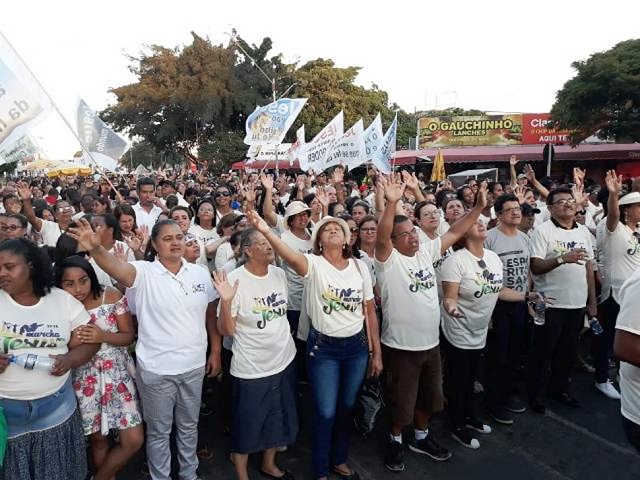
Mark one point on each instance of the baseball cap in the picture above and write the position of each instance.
(528, 210)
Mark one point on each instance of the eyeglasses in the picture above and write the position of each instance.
(511, 210)
(413, 231)
(369, 230)
(205, 210)
(565, 202)
(222, 194)
(11, 228)
(434, 214)
(354, 229)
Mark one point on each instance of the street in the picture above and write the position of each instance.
(566, 443)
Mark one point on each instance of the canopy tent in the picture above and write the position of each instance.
(460, 178)
(70, 169)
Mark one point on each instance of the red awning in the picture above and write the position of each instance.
(526, 153)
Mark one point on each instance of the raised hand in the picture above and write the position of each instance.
(120, 252)
(578, 175)
(337, 176)
(519, 191)
(481, 196)
(24, 191)
(322, 196)
(579, 195)
(134, 243)
(257, 222)
(529, 173)
(224, 288)
(267, 181)
(84, 235)
(613, 182)
(410, 180)
(513, 160)
(393, 188)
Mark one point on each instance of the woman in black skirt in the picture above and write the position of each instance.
(262, 366)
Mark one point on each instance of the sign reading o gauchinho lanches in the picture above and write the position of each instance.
(497, 130)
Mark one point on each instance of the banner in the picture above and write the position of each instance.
(295, 146)
(349, 149)
(105, 146)
(469, 130)
(268, 152)
(312, 155)
(269, 124)
(19, 109)
(373, 138)
(23, 151)
(383, 160)
(535, 131)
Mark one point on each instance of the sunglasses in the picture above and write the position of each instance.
(11, 228)
(636, 235)
(354, 229)
(222, 194)
(483, 266)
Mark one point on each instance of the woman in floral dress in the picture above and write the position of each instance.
(104, 386)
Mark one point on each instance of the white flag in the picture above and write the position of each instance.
(105, 146)
(312, 155)
(269, 124)
(349, 149)
(373, 138)
(296, 146)
(382, 161)
(19, 108)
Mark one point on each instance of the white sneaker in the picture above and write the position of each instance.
(608, 389)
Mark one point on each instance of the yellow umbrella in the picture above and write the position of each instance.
(81, 170)
(437, 172)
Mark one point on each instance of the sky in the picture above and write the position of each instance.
(490, 55)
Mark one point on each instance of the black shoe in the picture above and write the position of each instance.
(465, 438)
(353, 475)
(566, 399)
(477, 425)
(515, 405)
(537, 406)
(285, 476)
(501, 416)
(394, 456)
(428, 446)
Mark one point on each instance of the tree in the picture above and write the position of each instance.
(144, 153)
(604, 97)
(331, 89)
(188, 98)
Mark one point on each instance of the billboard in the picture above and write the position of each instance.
(495, 130)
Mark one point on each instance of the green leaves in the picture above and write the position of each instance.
(604, 96)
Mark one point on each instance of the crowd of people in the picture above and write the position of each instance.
(120, 296)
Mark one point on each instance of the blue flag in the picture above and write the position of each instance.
(269, 124)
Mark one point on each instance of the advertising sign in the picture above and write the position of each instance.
(469, 130)
(535, 131)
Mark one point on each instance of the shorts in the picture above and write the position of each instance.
(414, 382)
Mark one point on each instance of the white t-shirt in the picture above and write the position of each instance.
(619, 257)
(262, 342)
(629, 321)
(205, 236)
(50, 232)
(334, 297)
(103, 277)
(146, 218)
(295, 281)
(224, 253)
(42, 329)
(477, 296)
(171, 311)
(566, 283)
(410, 306)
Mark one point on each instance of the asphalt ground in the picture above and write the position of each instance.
(566, 443)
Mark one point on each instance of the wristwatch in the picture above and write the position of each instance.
(560, 260)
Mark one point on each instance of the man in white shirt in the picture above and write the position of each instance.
(627, 349)
(562, 263)
(147, 209)
(167, 187)
(411, 322)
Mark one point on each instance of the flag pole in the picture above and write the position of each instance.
(55, 107)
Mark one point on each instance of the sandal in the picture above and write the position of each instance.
(353, 475)
(285, 476)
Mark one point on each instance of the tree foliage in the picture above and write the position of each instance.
(604, 97)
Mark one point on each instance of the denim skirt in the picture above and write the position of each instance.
(264, 412)
(46, 441)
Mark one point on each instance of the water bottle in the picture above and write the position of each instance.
(30, 361)
(595, 325)
(538, 309)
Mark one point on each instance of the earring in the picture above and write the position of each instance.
(320, 247)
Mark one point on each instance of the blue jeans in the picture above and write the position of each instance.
(24, 416)
(336, 368)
